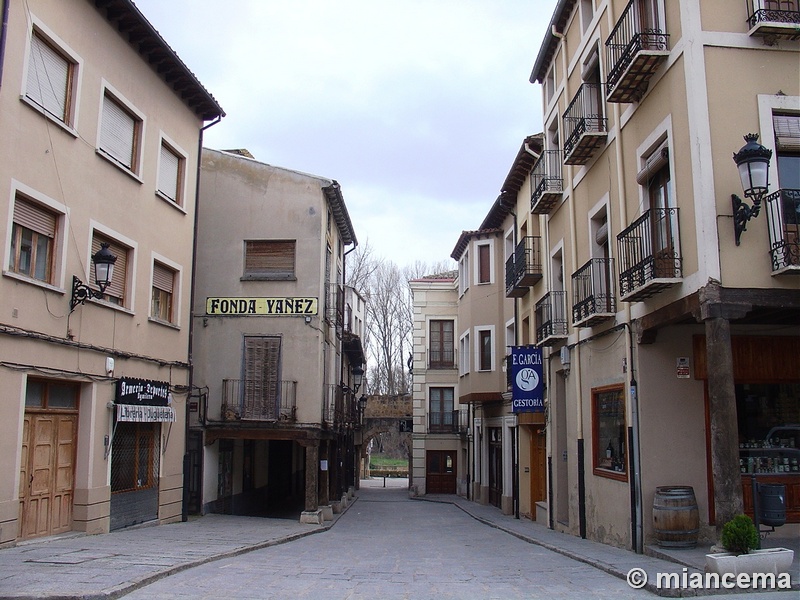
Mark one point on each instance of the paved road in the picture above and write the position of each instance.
(387, 546)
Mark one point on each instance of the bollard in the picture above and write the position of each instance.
(384, 481)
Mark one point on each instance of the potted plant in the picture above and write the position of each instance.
(740, 540)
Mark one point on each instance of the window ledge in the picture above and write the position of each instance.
(66, 127)
(168, 324)
(268, 278)
(32, 281)
(103, 154)
(609, 474)
(171, 202)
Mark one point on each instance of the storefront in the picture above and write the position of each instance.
(142, 418)
(767, 385)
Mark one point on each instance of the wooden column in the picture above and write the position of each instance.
(312, 476)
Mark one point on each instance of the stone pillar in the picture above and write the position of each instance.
(724, 426)
(324, 475)
(312, 476)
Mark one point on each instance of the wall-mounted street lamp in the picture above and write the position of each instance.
(362, 407)
(752, 160)
(358, 376)
(103, 261)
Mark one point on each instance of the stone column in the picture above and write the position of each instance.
(312, 513)
(324, 476)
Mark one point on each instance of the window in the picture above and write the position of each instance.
(484, 350)
(171, 167)
(484, 264)
(441, 415)
(463, 274)
(135, 456)
(587, 12)
(609, 444)
(269, 259)
(161, 301)
(33, 240)
(120, 133)
(261, 389)
(463, 350)
(52, 395)
(50, 79)
(441, 345)
(656, 179)
(787, 149)
(115, 292)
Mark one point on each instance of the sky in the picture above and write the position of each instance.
(417, 108)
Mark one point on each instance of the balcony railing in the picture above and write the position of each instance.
(649, 254)
(443, 422)
(584, 125)
(774, 18)
(593, 292)
(783, 218)
(334, 306)
(524, 266)
(635, 49)
(551, 318)
(547, 185)
(255, 400)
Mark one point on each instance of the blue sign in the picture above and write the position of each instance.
(527, 393)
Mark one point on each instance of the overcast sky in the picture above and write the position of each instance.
(417, 108)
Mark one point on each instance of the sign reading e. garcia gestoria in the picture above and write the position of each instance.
(286, 306)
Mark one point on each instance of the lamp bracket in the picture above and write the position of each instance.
(81, 293)
(742, 213)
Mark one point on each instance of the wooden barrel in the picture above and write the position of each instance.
(676, 518)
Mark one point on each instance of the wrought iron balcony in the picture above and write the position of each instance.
(443, 422)
(635, 49)
(547, 185)
(584, 125)
(524, 266)
(334, 306)
(593, 293)
(783, 218)
(774, 19)
(257, 400)
(551, 318)
(649, 255)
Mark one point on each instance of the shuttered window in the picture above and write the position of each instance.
(170, 173)
(162, 295)
(787, 132)
(49, 79)
(269, 259)
(119, 133)
(261, 389)
(33, 240)
(115, 292)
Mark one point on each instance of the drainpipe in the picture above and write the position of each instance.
(186, 462)
(3, 33)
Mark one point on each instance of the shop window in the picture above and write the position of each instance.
(272, 259)
(171, 167)
(134, 457)
(609, 439)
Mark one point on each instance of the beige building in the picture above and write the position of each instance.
(98, 148)
(670, 332)
(276, 347)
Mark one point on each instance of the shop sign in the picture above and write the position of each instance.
(527, 394)
(142, 391)
(145, 413)
(682, 368)
(286, 306)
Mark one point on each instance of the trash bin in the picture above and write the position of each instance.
(772, 504)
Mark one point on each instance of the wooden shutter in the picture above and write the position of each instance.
(787, 132)
(261, 378)
(168, 173)
(270, 258)
(117, 132)
(48, 78)
(163, 278)
(34, 217)
(116, 288)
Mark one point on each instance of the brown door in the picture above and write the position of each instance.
(47, 474)
(538, 468)
(440, 473)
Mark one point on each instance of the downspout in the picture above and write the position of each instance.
(3, 33)
(515, 469)
(186, 465)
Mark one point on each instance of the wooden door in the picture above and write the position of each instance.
(538, 468)
(47, 474)
(440, 472)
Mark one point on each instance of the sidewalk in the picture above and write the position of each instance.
(617, 561)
